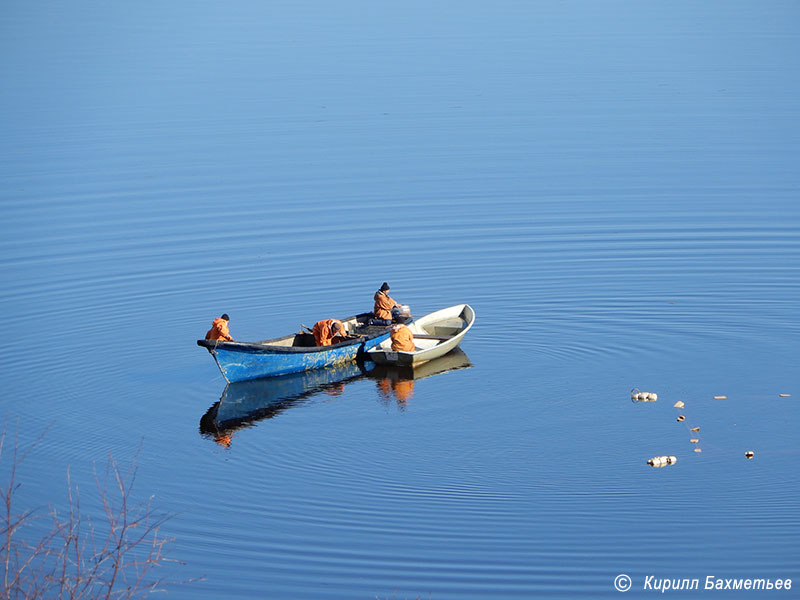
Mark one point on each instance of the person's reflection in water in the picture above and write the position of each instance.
(335, 389)
(210, 430)
(401, 389)
(384, 390)
(223, 439)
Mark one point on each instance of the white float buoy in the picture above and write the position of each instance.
(638, 396)
(662, 461)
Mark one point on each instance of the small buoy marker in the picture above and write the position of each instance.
(749, 454)
(638, 396)
(662, 461)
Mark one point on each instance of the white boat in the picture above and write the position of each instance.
(435, 335)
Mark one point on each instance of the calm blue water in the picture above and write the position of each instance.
(612, 186)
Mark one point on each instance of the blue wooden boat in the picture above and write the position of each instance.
(242, 361)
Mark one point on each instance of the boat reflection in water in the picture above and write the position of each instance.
(245, 403)
(399, 381)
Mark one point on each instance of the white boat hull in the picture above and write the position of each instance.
(435, 335)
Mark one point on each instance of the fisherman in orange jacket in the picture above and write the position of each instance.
(383, 306)
(402, 339)
(329, 331)
(219, 330)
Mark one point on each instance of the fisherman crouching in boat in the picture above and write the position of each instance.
(219, 330)
(329, 331)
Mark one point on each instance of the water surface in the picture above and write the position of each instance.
(612, 186)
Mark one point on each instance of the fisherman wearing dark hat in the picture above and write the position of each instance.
(383, 306)
(219, 330)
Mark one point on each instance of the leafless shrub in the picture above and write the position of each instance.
(74, 558)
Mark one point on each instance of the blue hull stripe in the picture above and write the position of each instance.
(242, 365)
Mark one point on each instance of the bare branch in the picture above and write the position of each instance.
(74, 559)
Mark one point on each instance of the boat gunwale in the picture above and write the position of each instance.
(266, 347)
